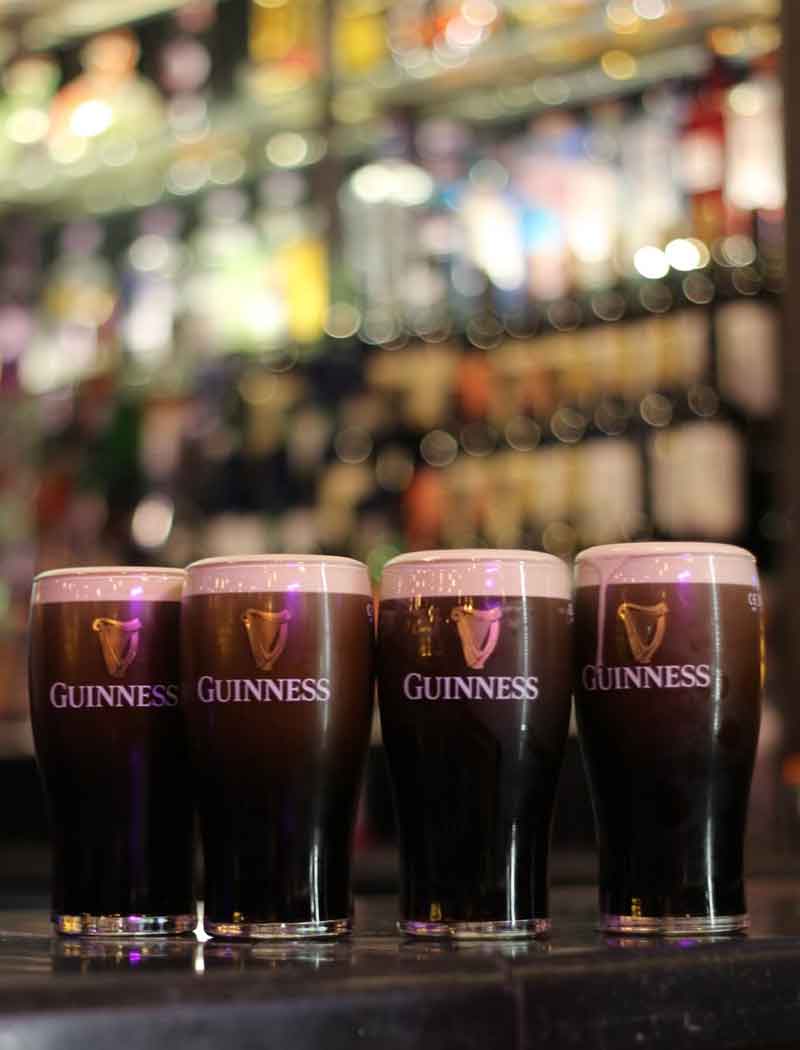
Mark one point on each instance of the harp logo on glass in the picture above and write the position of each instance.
(479, 631)
(645, 626)
(119, 641)
(267, 633)
(645, 630)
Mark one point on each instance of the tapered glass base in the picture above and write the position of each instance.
(279, 931)
(673, 925)
(476, 931)
(123, 925)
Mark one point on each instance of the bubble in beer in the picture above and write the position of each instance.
(738, 250)
(656, 298)
(521, 324)
(353, 444)
(703, 400)
(565, 316)
(282, 360)
(523, 433)
(608, 306)
(342, 321)
(379, 326)
(568, 425)
(478, 439)
(484, 331)
(152, 521)
(559, 538)
(747, 281)
(698, 288)
(611, 416)
(438, 448)
(394, 469)
(656, 410)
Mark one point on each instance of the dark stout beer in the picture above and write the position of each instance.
(278, 688)
(668, 646)
(111, 745)
(474, 686)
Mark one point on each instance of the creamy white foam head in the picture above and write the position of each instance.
(311, 573)
(621, 563)
(472, 573)
(110, 583)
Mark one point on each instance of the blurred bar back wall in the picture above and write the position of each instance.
(377, 275)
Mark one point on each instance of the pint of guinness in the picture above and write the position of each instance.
(474, 688)
(104, 673)
(278, 688)
(668, 695)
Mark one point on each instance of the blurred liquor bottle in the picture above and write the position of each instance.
(107, 110)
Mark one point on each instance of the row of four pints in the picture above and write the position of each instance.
(242, 689)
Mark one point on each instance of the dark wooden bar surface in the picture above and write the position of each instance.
(576, 989)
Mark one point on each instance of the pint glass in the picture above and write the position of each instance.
(474, 689)
(278, 690)
(104, 674)
(668, 693)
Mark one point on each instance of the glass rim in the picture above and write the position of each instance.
(276, 559)
(108, 570)
(667, 548)
(477, 554)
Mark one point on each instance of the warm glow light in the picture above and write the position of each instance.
(622, 16)
(651, 262)
(368, 184)
(479, 12)
(287, 149)
(91, 118)
(227, 167)
(591, 238)
(66, 149)
(651, 9)
(619, 65)
(399, 182)
(738, 250)
(262, 317)
(553, 91)
(746, 100)
(463, 34)
(149, 252)
(27, 125)
(152, 521)
(187, 176)
(685, 254)
(118, 154)
(726, 41)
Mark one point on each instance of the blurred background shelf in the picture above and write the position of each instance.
(364, 276)
(496, 63)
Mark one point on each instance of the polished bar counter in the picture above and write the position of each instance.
(578, 988)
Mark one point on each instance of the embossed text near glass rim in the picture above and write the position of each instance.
(313, 574)
(109, 584)
(664, 563)
(475, 573)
